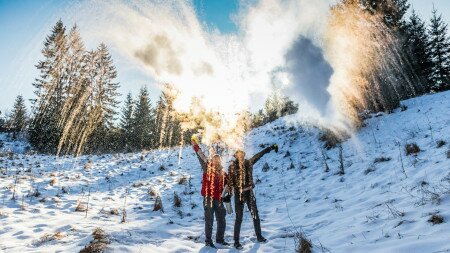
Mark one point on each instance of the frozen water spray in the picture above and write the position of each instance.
(322, 56)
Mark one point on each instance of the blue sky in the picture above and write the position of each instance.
(25, 23)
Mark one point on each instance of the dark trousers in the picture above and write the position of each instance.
(247, 198)
(214, 207)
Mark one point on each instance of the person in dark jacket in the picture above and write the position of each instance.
(213, 182)
(240, 178)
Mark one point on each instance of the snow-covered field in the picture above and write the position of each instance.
(381, 206)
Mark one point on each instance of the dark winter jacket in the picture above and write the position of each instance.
(213, 181)
(241, 177)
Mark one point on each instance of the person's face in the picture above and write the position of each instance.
(240, 156)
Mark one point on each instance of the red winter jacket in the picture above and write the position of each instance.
(213, 182)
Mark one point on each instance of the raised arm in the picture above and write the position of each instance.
(200, 155)
(260, 154)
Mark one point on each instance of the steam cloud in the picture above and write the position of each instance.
(310, 74)
(280, 44)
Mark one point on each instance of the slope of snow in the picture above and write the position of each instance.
(374, 207)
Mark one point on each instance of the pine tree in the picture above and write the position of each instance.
(19, 118)
(393, 11)
(77, 91)
(143, 121)
(418, 46)
(440, 52)
(103, 99)
(167, 121)
(44, 130)
(126, 123)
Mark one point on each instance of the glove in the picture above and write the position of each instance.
(227, 198)
(275, 147)
(194, 138)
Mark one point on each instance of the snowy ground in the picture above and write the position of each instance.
(374, 207)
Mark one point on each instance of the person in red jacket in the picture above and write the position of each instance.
(213, 182)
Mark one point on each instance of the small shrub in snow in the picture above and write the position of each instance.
(183, 180)
(440, 143)
(176, 200)
(369, 170)
(138, 184)
(162, 168)
(64, 189)
(412, 148)
(158, 205)
(381, 159)
(304, 245)
(53, 181)
(80, 207)
(47, 238)
(330, 138)
(265, 167)
(99, 244)
(114, 211)
(292, 166)
(436, 219)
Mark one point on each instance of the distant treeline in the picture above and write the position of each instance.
(75, 107)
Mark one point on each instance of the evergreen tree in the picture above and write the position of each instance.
(276, 106)
(143, 121)
(418, 46)
(393, 11)
(440, 52)
(103, 99)
(19, 118)
(169, 131)
(126, 123)
(45, 132)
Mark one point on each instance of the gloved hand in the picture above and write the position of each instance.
(194, 139)
(227, 198)
(275, 147)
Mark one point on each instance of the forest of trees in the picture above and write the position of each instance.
(427, 48)
(75, 109)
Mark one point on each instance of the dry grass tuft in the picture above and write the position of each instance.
(53, 181)
(114, 211)
(99, 244)
(138, 184)
(80, 207)
(158, 205)
(304, 245)
(332, 138)
(369, 170)
(176, 200)
(436, 219)
(183, 180)
(48, 237)
(440, 143)
(412, 148)
(381, 159)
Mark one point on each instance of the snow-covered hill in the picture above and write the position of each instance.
(381, 204)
